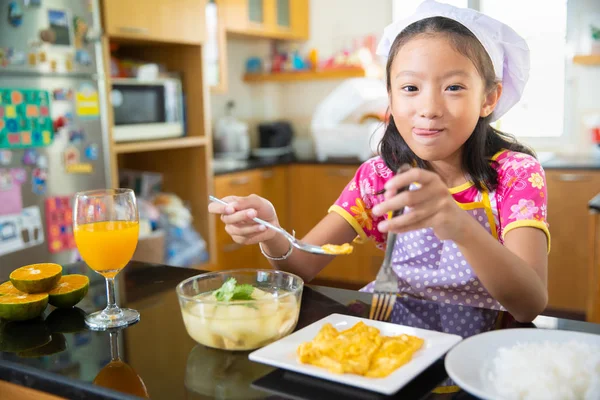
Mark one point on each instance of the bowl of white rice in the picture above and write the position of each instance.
(528, 364)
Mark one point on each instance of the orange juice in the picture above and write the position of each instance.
(107, 246)
(120, 376)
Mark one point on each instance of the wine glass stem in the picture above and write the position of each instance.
(111, 307)
(114, 346)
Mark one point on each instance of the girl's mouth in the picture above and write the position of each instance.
(426, 132)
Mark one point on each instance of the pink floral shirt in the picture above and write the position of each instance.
(519, 200)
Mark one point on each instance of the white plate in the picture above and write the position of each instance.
(282, 353)
(468, 363)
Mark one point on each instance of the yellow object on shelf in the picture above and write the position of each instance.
(587, 59)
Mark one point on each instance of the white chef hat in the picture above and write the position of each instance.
(508, 51)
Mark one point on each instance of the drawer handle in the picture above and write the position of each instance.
(268, 174)
(573, 177)
(228, 248)
(340, 172)
(134, 29)
(243, 180)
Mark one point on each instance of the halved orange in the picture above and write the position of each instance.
(36, 278)
(69, 290)
(23, 306)
(8, 288)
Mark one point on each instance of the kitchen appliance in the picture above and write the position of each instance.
(231, 138)
(147, 109)
(53, 126)
(275, 134)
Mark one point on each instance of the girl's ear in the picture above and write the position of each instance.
(490, 100)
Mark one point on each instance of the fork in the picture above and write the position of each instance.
(386, 283)
(310, 248)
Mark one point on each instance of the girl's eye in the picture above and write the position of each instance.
(409, 88)
(454, 88)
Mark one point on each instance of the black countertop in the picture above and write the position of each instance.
(160, 353)
(557, 161)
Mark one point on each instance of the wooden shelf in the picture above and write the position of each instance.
(165, 144)
(340, 73)
(587, 59)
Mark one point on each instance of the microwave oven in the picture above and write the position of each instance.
(147, 110)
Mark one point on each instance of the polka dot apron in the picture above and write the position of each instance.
(433, 269)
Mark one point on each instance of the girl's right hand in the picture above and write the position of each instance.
(238, 214)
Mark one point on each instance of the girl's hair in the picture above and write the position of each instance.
(485, 141)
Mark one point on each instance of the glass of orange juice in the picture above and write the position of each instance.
(106, 227)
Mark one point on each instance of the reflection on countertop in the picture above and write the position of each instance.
(548, 160)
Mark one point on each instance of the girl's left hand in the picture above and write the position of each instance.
(431, 206)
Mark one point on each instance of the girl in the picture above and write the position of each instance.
(475, 233)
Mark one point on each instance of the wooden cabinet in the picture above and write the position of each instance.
(569, 192)
(277, 19)
(231, 255)
(593, 306)
(313, 189)
(270, 183)
(155, 20)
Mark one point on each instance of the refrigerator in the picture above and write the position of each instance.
(53, 126)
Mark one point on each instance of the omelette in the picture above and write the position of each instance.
(360, 350)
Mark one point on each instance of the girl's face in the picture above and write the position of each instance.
(436, 97)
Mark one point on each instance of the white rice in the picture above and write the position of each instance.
(546, 371)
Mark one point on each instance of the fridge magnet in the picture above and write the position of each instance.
(76, 136)
(15, 14)
(59, 223)
(42, 57)
(42, 161)
(62, 94)
(17, 57)
(59, 23)
(69, 114)
(48, 36)
(32, 59)
(91, 152)
(80, 168)
(82, 57)
(20, 231)
(11, 199)
(86, 101)
(73, 165)
(5, 157)
(69, 64)
(24, 120)
(39, 176)
(80, 28)
(30, 157)
(53, 65)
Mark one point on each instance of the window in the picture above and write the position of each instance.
(543, 24)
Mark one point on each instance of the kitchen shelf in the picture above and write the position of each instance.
(339, 73)
(165, 144)
(587, 59)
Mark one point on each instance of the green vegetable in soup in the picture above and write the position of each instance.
(232, 291)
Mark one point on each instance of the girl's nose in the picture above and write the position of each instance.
(431, 106)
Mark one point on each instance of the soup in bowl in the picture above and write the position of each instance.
(240, 309)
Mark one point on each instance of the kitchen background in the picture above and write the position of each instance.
(283, 98)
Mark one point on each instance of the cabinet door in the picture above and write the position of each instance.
(274, 187)
(155, 20)
(314, 188)
(568, 194)
(299, 19)
(231, 255)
